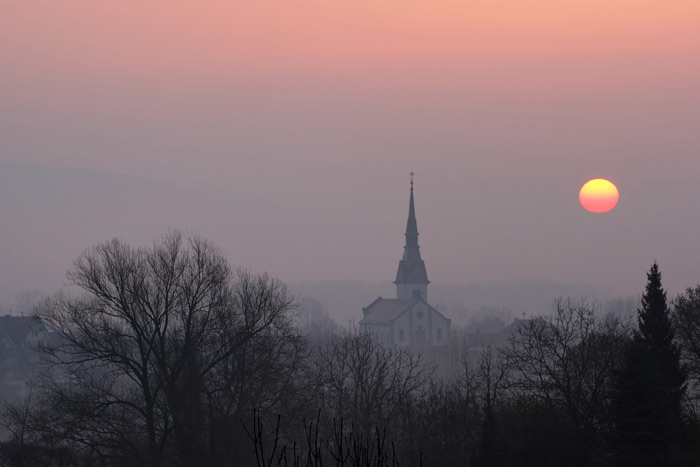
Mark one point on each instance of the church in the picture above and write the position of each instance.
(408, 319)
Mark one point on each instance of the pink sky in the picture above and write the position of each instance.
(310, 115)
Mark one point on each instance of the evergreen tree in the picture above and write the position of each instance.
(646, 403)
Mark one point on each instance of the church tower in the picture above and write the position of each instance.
(408, 319)
(411, 278)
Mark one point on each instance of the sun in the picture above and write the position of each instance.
(598, 195)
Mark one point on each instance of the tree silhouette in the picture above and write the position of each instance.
(686, 323)
(646, 402)
(163, 354)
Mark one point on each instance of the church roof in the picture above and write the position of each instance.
(411, 272)
(386, 310)
(495, 339)
(411, 267)
(17, 328)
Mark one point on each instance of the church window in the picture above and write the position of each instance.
(439, 335)
(400, 335)
(419, 315)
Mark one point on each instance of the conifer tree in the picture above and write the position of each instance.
(646, 403)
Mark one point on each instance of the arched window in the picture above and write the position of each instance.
(400, 335)
(439, 335)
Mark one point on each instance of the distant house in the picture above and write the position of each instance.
(408, 319)
(481, 340)
(20, 361)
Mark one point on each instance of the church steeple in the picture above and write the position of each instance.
(412, 225)
(411, 277)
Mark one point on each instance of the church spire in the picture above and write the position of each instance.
(411, 225)
(411, 277)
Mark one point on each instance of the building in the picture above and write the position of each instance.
(408, 319)
(481, 340)
(20, 361)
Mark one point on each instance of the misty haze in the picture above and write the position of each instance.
(349, 233)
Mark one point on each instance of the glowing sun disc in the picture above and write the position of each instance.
(598, 195)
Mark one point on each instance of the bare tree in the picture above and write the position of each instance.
(140, 356)
(367, 385)
(23, 444)
(489, 381)
(266, 372)
(686, 322)
(566, 361)
(454, 420)
(315, 321)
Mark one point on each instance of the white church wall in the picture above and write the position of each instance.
(440, 329)
(405, 291)
(403, 330)
(380, 332)
(422, 325)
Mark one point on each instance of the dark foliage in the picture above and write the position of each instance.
(171, 359)
(344, 448)
(163, 354)
(686, 322)
(646, 404)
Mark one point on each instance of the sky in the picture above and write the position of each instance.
(285, 132)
